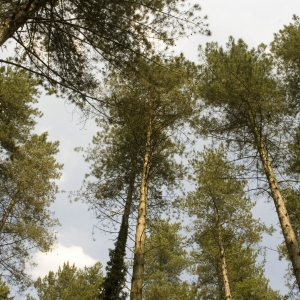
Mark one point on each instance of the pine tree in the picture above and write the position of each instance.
(285, 50)
(143, 111)
(67, 42)
(27, 187)
(162, 100)
(71, 283)
(291, 197)
(248, 108)
(166, 260)
(18, 92)
(117, 158)
(4, 290)
(225, 233)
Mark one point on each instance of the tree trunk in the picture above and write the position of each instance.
(140, 237)
(284, 219)
(10, 25)
(222, 255)
(116, 270)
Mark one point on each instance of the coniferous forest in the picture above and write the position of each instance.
(188, 148)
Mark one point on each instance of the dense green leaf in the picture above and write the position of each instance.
(28, 172)
(71, 283)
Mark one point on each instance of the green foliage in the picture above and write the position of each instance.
(160, 93)
(114, 282)
(165, 251)
(247, 106)
(292, 198)
(27, 187)
(112, 157)
(219, 199)
(162, 87)
(70, 283)
(155, 96)
(257, 289)
(165, 261)
(113, 286)
(162, 289)
(18, 92)
(240, 92)
(4, 290)
(285, 48)
(65, 41)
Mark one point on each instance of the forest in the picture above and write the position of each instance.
(184, 151)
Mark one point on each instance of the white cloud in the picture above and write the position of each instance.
(52, 260)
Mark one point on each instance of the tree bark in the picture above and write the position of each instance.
(10, 25)
(284, 219)
(140, 237)
(115, 277)
(222, 255)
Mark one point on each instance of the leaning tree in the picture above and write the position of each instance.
(246, 105)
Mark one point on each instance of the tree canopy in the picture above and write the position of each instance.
(153, 106)
(66, 42)
(71, 283)
(247, 107)
(18, 93)
(166, 260)
(4, 290)
(246, 100)
(225, 234)
(28, 173)
(285, 50)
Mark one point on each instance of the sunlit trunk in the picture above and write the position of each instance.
(140, 237)
(284, 219)
(222, 255)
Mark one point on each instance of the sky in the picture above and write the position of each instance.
(255, 22)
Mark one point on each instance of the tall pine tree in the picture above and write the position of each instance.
(166, 261)
(226, 235)
(147, 109)
(27, 169)
(246, 106)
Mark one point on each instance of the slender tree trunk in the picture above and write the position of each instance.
(284, 219)
(116, 270)
(222, 255)
(22, 14)
(140, 237)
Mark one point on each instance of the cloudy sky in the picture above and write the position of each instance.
(254, 21)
